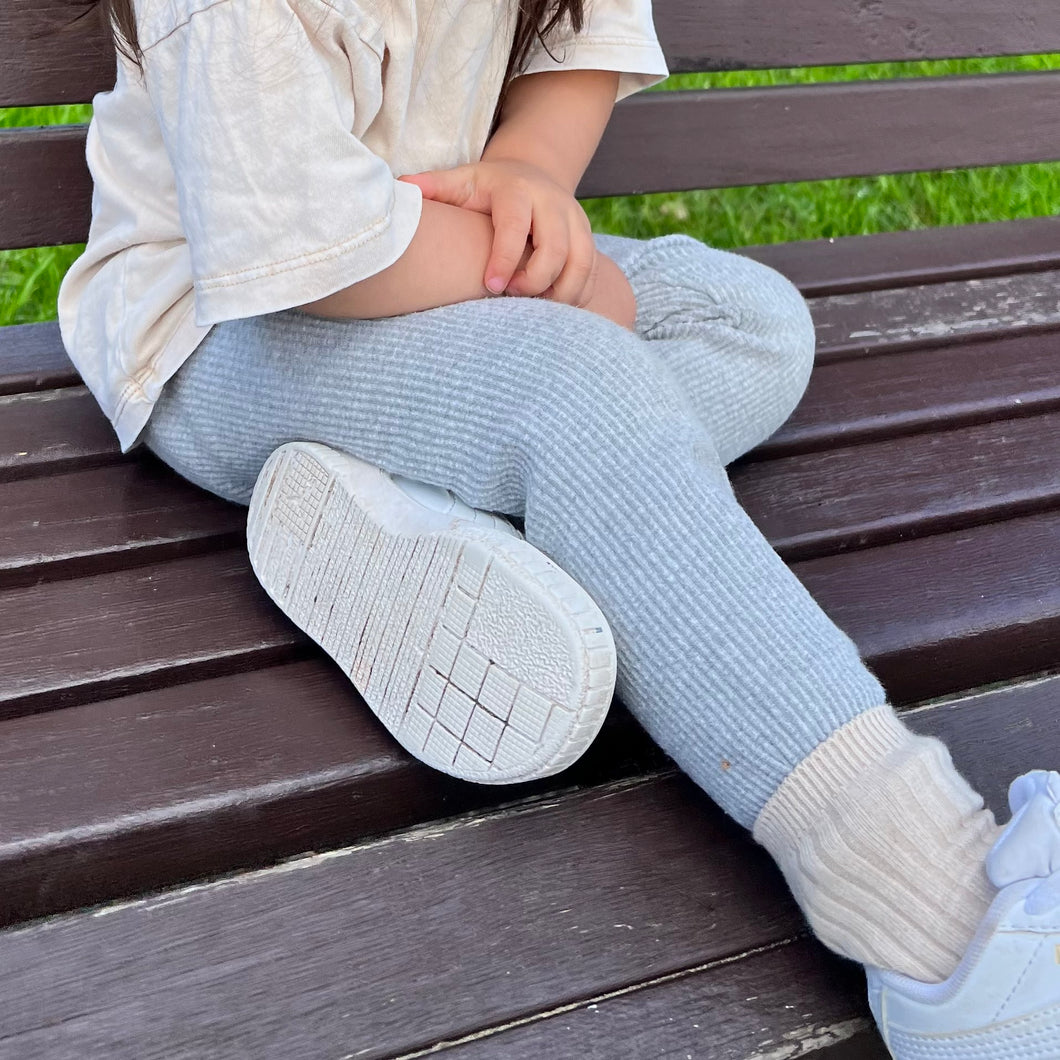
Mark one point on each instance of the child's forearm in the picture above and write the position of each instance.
(554, 120)
(444, 263)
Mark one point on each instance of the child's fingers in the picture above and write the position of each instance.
(456, 187)
(575, 283)
(551, 244)
(511, 225)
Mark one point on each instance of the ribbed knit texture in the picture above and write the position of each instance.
(611, 447)
(883, 844)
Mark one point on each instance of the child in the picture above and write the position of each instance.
(302, 210)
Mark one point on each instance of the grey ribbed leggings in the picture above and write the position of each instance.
(610, 445)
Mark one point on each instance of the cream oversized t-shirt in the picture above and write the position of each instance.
(253, 167)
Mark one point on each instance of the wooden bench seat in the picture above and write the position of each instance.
(163, 723)
(209, 847)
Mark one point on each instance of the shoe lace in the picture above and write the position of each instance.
(1029, 846)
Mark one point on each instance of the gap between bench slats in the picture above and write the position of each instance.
(792, 1000)
(39, 66)
(931, 616)
(139, 512)
(729, 137)
(505, 923)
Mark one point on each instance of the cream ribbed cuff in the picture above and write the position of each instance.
(883, 844)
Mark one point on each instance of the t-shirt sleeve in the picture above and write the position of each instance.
(280, 201)
(616, 35)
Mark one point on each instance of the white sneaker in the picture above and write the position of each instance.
(477, 652)
(1003, 1001)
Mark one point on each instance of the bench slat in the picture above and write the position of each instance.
(70, 642)
(900, 259)
(877, 493)
(32, 358)
(45, 186)
(52, 431)
(936, 314)
(734, 34)
(816, 132)
(729, 137)
(795, 996)
(505, 923)
(38, 65)
(86, 522)
(878, 397)
(944, 613)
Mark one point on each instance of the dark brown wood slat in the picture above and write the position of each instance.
(850, 325)
(40, 65)
(504, 922)
(74, 641)
(51, 431)
(89, 521)
(50, 55)
(733, 34)
(45, 187)
(940, 614)
(877, 397)
(118, 797)
(730, 137)
(873, 494)
(900, 259)
(32, 358)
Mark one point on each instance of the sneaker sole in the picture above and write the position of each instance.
(477, 652)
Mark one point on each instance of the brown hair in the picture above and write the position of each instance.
(537, 18)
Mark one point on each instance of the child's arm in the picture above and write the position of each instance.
(554, 120)
(444, 263)
(550, 120)
(550, 127)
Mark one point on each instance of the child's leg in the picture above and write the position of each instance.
(739, 340)
(736, 335)
(533, 408)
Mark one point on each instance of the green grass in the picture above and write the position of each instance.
(725, 217)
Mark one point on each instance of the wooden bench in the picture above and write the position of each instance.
(243, 863)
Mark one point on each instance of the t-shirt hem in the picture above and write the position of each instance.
(285, 285)
(640, 63)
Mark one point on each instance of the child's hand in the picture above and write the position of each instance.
(524, 202)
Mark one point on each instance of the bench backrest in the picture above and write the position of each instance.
(656, 141)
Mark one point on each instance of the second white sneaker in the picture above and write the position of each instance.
(1003, 1001)
(478, 653)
